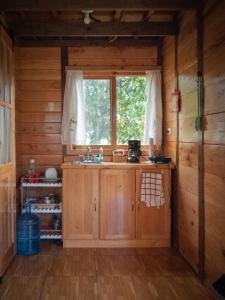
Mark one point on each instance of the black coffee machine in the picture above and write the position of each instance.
(134, 151)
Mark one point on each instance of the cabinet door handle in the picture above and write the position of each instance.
(95, 206)
(138, 205)
(132, 204)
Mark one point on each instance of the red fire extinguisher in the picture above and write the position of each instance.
(175, 100)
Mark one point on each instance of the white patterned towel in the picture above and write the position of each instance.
(152, 189)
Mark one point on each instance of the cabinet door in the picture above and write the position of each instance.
(7, 216)
(117, 204)
(152, 222)
(80, 204)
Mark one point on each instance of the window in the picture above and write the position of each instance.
(114, 109)
(97, 111)
(130, 103)
(5, 105)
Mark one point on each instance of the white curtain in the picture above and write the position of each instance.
(73, 121)
(153, 111)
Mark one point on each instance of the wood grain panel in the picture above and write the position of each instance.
(113, 56)
(188, 179)
(50, 106)
(214, 97)
(214, 224)
(212, 25)
(36, 85)
(214, 160)
(38, 58)
(187, 132)
(44, 159)
(214, 185)
(27, 74)
(40, 95)
(213, 68)
(170, 150)
(39, 117)
(188, 155)
(189, 105)
(38, 138)
(188, 226)
(215, 129)
(187, 80)
(38, 127)
(168, 115)
(37, 149)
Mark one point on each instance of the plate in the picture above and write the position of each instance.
(50, 179)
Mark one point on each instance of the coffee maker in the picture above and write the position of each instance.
(134, 151)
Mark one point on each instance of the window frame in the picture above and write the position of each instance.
(111, 76)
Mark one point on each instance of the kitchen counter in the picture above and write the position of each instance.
(115, 165)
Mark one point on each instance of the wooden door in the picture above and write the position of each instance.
(152, 222)
(7, 217)
(117, 204)
(80, 204)
(7, 154)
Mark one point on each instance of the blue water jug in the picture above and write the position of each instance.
(28, 234)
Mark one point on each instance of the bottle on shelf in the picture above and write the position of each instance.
(101, 154)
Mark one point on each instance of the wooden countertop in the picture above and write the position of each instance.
(114, 165)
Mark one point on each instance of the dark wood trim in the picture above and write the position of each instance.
(64, 63)
(200, 87)
(53, 5)
(176, 170)
(79, 29)
(148, 42)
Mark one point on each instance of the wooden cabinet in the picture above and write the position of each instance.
(7, 216)
(117, 206)
(102, 208)
(80, 204)
(152, 222)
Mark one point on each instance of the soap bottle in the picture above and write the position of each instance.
(101, 156)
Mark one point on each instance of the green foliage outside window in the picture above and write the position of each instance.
(97, 111)
(130, 108)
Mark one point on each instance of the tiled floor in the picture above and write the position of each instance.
(58, 273)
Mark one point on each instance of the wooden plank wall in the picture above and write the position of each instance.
(180, 59)
(214, 141)
(38, 95)
(188, 154)
(112, 56)
(214, 77)
(169, 86)
(38, 107)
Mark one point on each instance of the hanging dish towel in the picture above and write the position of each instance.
(152, 189)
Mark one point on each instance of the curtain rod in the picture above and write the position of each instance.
(114, 68)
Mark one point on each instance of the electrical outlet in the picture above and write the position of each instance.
(168, 131)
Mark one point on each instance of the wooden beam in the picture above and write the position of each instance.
(61, 28)
(150, 42)
(43, 5)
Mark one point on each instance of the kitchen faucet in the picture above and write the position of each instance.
(89, 153)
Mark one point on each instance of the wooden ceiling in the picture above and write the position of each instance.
(55, 22)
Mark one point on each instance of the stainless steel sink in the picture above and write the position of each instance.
(89, 162)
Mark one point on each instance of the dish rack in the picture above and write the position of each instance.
(33, 191)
